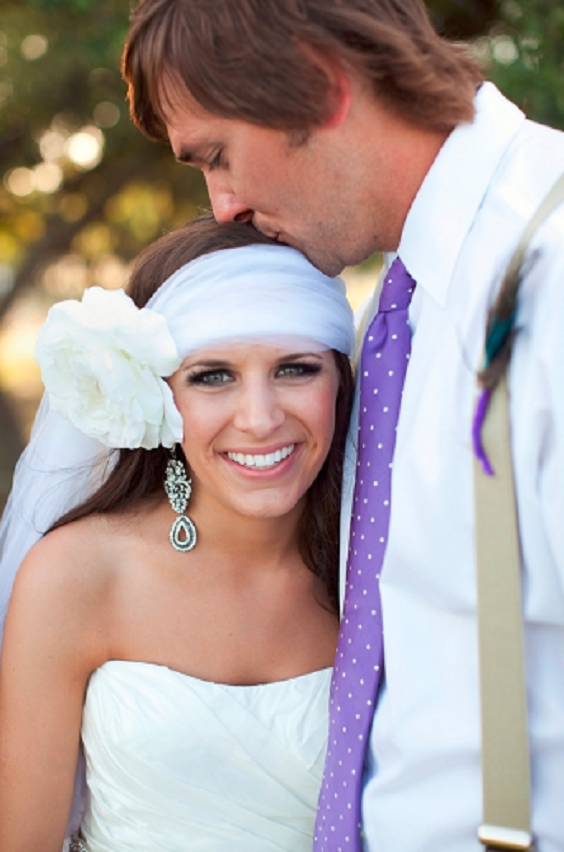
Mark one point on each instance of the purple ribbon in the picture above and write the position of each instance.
(479, 417)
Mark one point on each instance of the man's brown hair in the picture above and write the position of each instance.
(245, 59)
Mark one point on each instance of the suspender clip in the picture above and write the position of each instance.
(495, 838)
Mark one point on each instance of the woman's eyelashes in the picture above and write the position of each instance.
(299, 369)
(221, 376)
(213, 378)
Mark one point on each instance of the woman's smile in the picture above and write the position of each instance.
(258, 423)
(262, 461)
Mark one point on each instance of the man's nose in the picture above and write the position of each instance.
(225, 204)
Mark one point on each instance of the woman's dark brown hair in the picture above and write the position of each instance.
(138, 475)
(245, 59)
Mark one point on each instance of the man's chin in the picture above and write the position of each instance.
(330, 266)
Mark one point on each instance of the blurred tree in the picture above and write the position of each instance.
(524, 52)
(81, 190)
(68, 147)
(462, 20)
(521, 43)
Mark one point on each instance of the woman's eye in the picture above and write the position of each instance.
(297, 370)
(210, 377)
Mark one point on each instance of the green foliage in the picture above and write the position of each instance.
(522, 45)
(530, 67)
(60, 75)
(462, 20)
(68, 6)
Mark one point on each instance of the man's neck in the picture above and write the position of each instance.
(397, 156)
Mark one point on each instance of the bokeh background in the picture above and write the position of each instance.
(81, 191)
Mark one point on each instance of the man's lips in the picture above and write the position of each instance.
(271, 233)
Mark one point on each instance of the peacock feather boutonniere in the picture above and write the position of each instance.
(500, 336)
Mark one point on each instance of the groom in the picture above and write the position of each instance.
(348, 128)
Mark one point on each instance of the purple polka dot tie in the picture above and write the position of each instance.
(360, 651)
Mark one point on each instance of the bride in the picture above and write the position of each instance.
(175, 628)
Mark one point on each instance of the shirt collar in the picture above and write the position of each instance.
(450, 196)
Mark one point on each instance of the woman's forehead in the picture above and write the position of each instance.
(257, 350)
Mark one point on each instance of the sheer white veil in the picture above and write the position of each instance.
(58, 469)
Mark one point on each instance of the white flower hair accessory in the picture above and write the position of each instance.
(102, 361)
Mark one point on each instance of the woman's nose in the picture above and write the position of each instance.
(259, 411)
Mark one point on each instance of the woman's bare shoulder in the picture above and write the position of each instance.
(65, 584)
(80, 582)
(77, 555)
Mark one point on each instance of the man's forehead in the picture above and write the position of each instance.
(189, 129)
(194, 140)
(178, 106)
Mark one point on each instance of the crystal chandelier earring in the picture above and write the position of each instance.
(178, 488)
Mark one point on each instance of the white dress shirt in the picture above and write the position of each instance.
(422, 788)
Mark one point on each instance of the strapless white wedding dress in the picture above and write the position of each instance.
(178, 764)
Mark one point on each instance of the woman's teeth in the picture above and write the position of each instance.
(262, 461)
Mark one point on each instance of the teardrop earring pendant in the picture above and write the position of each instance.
(178, 487)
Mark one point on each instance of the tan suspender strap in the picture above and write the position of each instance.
(505, 750)
(505, 746)
(549, 203)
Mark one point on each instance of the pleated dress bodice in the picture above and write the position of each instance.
(181, 764)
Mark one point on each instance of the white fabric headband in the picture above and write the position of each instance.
(103, 359)
(257, 292)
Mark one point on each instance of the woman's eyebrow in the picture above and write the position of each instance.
(295, 356)
(207, 362)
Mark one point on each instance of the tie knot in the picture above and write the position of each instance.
(397, 289)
